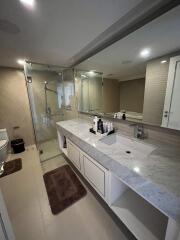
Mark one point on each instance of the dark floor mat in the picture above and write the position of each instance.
(12, 167)
(63, 188)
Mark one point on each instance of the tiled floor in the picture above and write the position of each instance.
(27, 203)
(53, 163)
(50, 149)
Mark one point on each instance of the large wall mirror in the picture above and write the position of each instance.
(141, 75)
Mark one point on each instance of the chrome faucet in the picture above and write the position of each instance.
(138, 130)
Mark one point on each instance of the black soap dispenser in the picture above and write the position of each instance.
(124, 116)
(100, 126)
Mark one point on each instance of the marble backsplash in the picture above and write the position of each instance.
(164, 135)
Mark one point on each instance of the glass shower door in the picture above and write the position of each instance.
(48, 146)
(45, 90)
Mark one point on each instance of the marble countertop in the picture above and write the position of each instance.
(152, 169)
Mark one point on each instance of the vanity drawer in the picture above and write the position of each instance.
(95, 174)
(73, 154)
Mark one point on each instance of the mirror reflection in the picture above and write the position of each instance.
(89, 88)
(136, 72)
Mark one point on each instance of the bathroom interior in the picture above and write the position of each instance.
(89, 120)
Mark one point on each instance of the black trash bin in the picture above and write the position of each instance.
(18, 145)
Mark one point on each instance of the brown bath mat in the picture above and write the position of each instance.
(63, 188)
(12, 166)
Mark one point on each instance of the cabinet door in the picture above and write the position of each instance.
(95, 174)
(74, 154)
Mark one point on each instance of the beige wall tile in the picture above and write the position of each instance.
(111, 95)
(14, 105)
(132, 95)
(155, 89)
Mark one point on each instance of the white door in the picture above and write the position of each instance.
(6, 232)
(171, 114)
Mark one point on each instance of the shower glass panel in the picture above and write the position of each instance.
(46, 94)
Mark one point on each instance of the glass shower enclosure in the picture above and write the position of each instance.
(49, 94)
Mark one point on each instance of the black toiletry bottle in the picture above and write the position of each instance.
(124, 116)
(100, 126)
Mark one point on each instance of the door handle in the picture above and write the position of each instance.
(166, 113)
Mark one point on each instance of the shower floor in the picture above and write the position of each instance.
(50, 149)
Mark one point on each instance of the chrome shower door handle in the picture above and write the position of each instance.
(166, 114)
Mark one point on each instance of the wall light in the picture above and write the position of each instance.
(145, 53)
(28, 3)
(164, 61)
(21, 61)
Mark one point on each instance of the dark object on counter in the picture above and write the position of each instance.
(100, 126)
(18, 145)
(124, 116)
(92, 130)
(109, 133)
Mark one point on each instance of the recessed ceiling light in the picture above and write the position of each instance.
(145, 52)
(92, 72)
(28, 3)
(137, 169)
(164, 61)
(29, 79)
(21, 61)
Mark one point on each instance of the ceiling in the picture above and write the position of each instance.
(122, 60)
(54, 31)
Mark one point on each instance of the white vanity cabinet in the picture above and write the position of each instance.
(73, 153)
(94, 173)
(143, 219)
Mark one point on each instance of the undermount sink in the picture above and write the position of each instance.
(128, 145)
